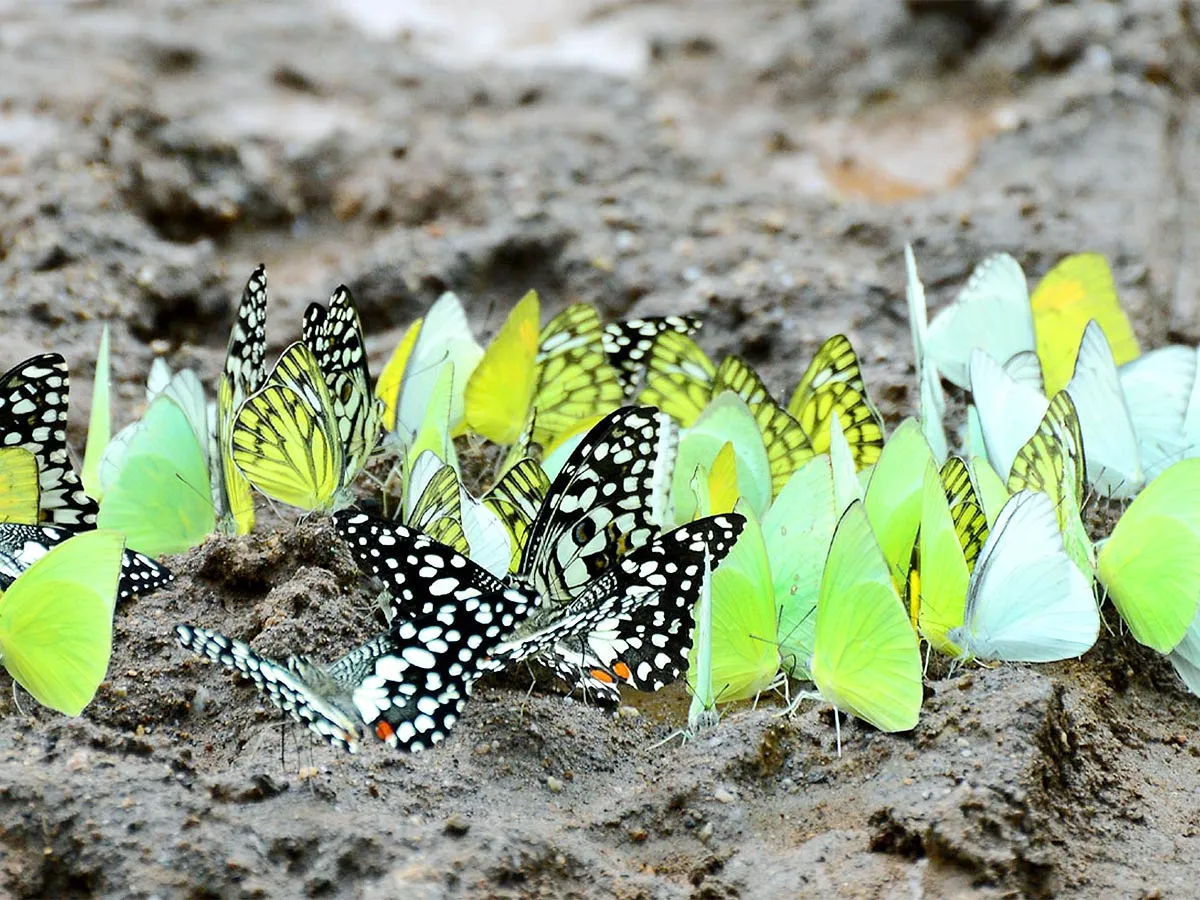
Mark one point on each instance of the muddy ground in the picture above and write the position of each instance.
(761, 163)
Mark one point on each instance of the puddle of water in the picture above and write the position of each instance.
(516, 34)
(892, 158)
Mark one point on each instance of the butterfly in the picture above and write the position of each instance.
(1150, 564)
(56, 619)
(541, 384)
(1011, 409)
(952, 532)
(991, 313)
(865, 660)
(932, 408)
(242, 376)
(408, 383)
(614, 605)
(408, 685)
(23, 545)
(1027, 600)
(742, 653)
(831, 384)
(99, 421)
(303, 438)
(1077, 290)
(1164, 406)
(682, 381)
(33, 417)
(628, 344)
(154, 476)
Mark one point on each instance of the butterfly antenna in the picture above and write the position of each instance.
(17, 699)
(837, 728)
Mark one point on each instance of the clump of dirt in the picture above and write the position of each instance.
(763, 170)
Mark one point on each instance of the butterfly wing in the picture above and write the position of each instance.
(311, 704)
(628, 345)
(991, 313)
(1009, 411)
(419, 573)
(574, 379)
(833, 383)
(284, 439)
(1078, 290)
(1114, 464)
(609, 498)
(1027, 601)
(23, 545)
(632, 625)
(933, 398)
(745, 640)
(19, 490)
(335, 336)
(33, 416)
(56, 621)
(865, 655)
(243, 375)
(679, 378)
(499, 394)
(1150, 566)
(1159, 387)
(410, 685)
(893, 496)
(161, 497)
(516, 499)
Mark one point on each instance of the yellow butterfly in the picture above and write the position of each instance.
(682, 381)
(833, 383)
(555, 378)
(1080, 288)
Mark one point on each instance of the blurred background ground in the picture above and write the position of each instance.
(761, 163)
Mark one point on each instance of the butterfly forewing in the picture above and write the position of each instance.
(420, 573)
(33, 415)
(608, 499)
(335, 336)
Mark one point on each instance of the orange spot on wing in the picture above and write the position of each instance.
(601, 675)
(384, 731)
(622, 671)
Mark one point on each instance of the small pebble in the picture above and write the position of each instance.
(724, 795)
(456, 826)
(554, 785)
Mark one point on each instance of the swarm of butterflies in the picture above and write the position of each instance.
(650, 512)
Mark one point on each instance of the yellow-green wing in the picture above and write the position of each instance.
(866, 660)
(56, 620)
(498, 398)
(19, 489)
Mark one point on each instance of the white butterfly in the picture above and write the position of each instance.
(1026, 600)
(992, 313)
(1010, 408)
(1160, 390)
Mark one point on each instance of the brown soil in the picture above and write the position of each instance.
(760, 163)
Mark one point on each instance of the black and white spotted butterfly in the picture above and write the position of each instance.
(335, 336)
(33, 415)
(613, 605)
(23, 545)
(627, 345)
(408, 685)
